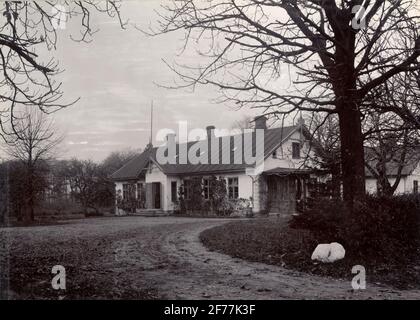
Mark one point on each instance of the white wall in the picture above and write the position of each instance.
(284, 153)
(156, 175)
(370, 185)
(244, 184)
(168, 194)
(404, 186)
(414, 176)
(118, 186)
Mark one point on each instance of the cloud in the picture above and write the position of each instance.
(115, 77)
(78, 143)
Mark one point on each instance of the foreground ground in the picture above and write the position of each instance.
(274, 242)
(149, 258)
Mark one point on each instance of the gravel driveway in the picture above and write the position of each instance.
(149, 258)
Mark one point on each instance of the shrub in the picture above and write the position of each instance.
(217, 203)
(383, 227)
(323, 218)
(58, 206)
(242, 207)
(94, 214)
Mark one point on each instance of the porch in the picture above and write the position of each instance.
(139, 197)
(286, 190)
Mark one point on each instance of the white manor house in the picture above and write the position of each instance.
(282, 182)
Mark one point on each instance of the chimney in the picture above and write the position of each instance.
(210, 131)
(260, 122)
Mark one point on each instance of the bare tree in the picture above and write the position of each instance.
(116, 159)
(398, 96)
(4, 191)
(338, 52)
(246, 122)
(393, 142)
(387, 156)
(29, 27)
(89, 184)
(35, 142)
(326, 135)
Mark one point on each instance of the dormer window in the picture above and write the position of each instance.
(295, 150)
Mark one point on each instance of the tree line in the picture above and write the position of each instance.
(32, 175)
(56, 184)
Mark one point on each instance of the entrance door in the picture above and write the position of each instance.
(156, 195)
(281, 194)
(149, 196)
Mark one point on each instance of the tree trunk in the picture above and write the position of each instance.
(18, 213)
(335, 182)
(31, 210)
(388, 191)
(31, 192)
(352, 153)
(347, 106)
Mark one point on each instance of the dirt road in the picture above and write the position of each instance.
(149, 258)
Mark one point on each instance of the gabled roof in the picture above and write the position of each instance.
(133, 168)
(273, 138)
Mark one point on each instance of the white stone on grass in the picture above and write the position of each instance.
(328, 252)
(321, 252)
(337, 252)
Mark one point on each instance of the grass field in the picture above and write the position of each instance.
(85, 247)
(163, 257)
(271, 241)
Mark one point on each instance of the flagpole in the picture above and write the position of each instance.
(151, 123)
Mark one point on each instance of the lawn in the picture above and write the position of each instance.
(272, 241)
(86, 248)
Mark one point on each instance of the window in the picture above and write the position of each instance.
(275, 154)
(186, 189)
(415, 186)
(128, 191)
(296, 150)
(206, 188)
(125, 191)
(140, 191)
(233, 188)
(173, 191)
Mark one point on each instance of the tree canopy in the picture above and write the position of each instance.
(336, 52)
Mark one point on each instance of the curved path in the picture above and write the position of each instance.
(162, 258)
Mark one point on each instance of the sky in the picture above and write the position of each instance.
(116, 77)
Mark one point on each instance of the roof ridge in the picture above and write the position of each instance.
(274, 137)
(233, 135)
